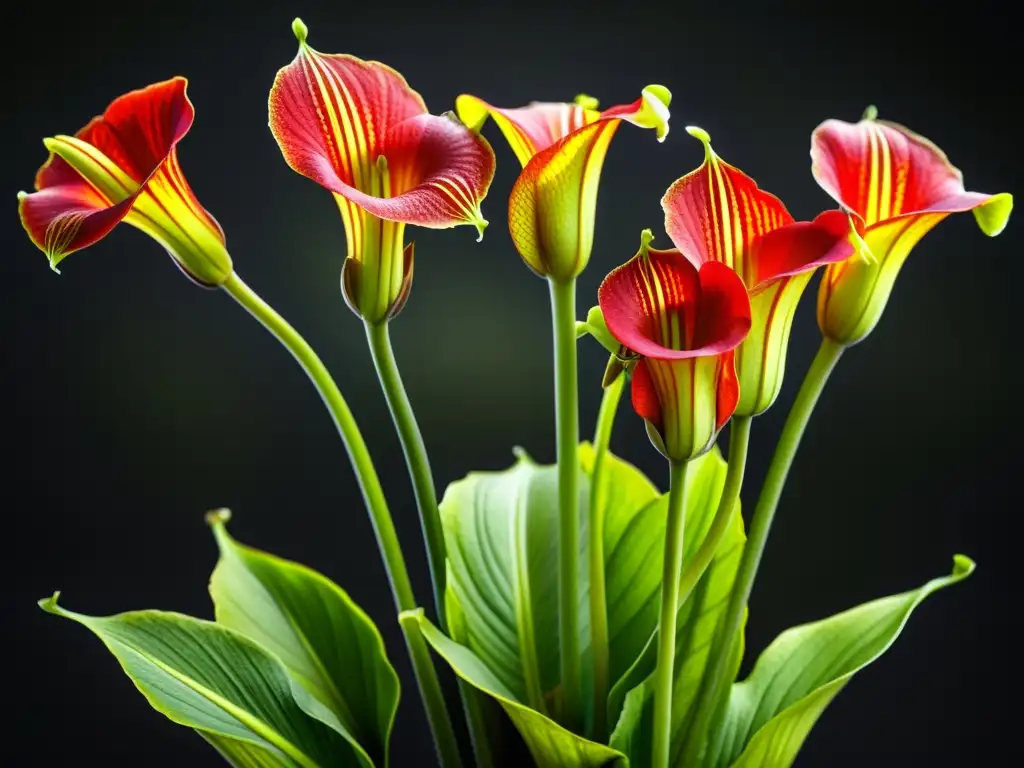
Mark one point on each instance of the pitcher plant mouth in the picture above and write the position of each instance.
(718, 214)
(683, 321)
(898, 185)
(562, 148)
(123, 166)
(335, 115)
(601, 610)
(360, 131)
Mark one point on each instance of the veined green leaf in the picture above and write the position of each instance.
(241, 754)
(551, 745)
(501, 532)
(235, 693)
(770, 713)
(631, 700)
(324, 639)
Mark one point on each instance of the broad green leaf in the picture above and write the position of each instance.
(501, 532)
(235, 693)
(631, 699)
(324, 639)
(551, 745)
(771, 712)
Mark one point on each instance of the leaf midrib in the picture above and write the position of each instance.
(250, 721)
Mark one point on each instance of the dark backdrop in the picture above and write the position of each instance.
(138, 401)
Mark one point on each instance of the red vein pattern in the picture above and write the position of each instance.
(334, 115)
(684, 321)
(123, 165)
(898, 185)
(561, 147)
(718, 214)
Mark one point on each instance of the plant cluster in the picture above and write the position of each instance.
(604, 616)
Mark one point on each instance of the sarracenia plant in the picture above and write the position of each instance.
(604, 616)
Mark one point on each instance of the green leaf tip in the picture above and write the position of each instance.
(586, 101)
(963, 566)
(217, 517)
(49, 604)
(870, 113)
(300, 30)
(522, 456)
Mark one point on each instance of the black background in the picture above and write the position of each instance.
(138, 401)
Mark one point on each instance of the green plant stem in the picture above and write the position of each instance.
(445, 744)
(476, 721)
(416, 460)
(673, 566)
(563, 319)
(418, 463)
(760, 525)
(739, 438)
(376, 504)
(598, 598)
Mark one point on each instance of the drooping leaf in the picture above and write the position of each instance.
(235, 693)
(631, 699)
(770, 713)
(551, 745)
(324, 639)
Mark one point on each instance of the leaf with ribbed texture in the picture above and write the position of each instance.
(551, 745)
(324, 639)
(770, 713)
(213, 679)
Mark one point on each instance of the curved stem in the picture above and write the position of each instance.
(376, 504)
(673, 565)
(446, 745)
(739, 438)
(415, 457)
(418, 464)
(563, 321)
(598, 598)
(789, 441)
